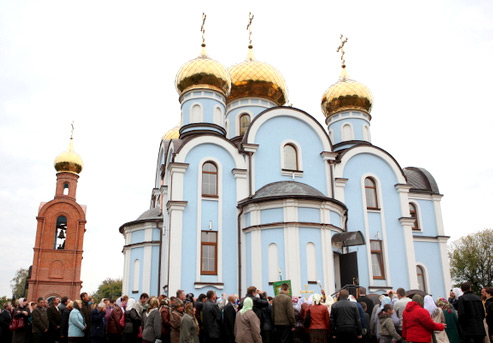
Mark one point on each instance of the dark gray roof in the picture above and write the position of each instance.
(421, 180)
(153, 213)
(287, 189)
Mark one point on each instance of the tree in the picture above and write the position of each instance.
(471, 259)
(3, 300)
(109, 288)
(18, 283)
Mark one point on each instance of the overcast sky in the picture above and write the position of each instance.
(110, 66)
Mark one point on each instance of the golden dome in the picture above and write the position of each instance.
(203, 72)
(173, 133)
(252, 78)
(346, 94)
(69, 161)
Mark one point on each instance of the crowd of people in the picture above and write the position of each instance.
(255, 318)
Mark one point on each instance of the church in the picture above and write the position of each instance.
(249, 190)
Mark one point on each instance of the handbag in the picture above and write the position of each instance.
(308, 320)
(17, 323)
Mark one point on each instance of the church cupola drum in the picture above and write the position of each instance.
(60, 231)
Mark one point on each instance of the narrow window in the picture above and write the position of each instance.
(366, 133)
(244, 123)
(414, 215)
(377, 259)
(60, 233)
(65, 189)
(209, 179)
(421, 278)
(208, 253)
(347, 132)
(218, 116)
(371, 194)
(290, 157)
(196, 114)
(135, 283)
(273, 259)
(311, 262)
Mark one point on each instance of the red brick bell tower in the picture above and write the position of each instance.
(60, 235)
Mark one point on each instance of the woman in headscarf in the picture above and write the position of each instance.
(417, 325)
(152, 322)
(455, 293)
(451, 320)
(132, 322)
(76, 324)
(320, 321)
(247, 324)
(22, 313)
(189, 329)
(437, 316)
(175, 321)
(374, 327)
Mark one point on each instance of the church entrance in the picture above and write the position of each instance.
(348, 266)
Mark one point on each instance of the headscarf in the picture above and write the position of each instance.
(247, 305)
(419, 299)
(444, 304)
(189, 308)
(297, 306)
(310, 300)
(119, 302)
(130, 304)
(429, 304)
(178, 303)
(457, 293)
(352, 298)
(384, 301)
(316, 298)
(21, 302)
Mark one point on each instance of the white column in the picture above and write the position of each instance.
(175, 209)
(292, 245)
(327, 254)
(147, 261)
(340, 184)
(442, 243)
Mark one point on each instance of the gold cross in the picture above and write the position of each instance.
(306, 291)
(341, 49)
(249, 28)
(202, 28)
(72, 133)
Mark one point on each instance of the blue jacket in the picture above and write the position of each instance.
(97, 323)
(76, 324)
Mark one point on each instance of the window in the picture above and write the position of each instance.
(244, 123)
(209, 179)
(290, 157)
(136, 278)
(273, 259)
(371, 194)
(208, 253)
(347, 132)
(60, 233)
(421, 278)
(377, 259)
(414, 214)
(196, 114)
(65, 189)
(217, 116)
(366, 133)
(311, 262)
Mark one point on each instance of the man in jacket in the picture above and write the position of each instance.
(212, 319)
(364, 299)
(40, 322)
(283, 315)
(86, 313)
(115, 330)
(229, 319)
(400, 306)
(345, 320)
(5, 319)
(471, 315)
(259, 301)
(54, 318)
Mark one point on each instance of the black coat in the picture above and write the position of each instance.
(86, 313)
(369, 303)
(5, 319)
(64, 322)
(212, 320)
(97, 323)
(489, 315)
(54, 318)
(471, 315)
(229, 320)
(344, 316)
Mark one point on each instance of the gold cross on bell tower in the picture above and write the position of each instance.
(202, 29)
(341, 49)
(72, 131)
(306, 291)
(249, 28)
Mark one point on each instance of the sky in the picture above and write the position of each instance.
(110, 67)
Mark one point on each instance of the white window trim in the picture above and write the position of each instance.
(308, 262)
(351, 136)
(221, 118)
(299, 152)
(418, 213)
(237, 120)
(190, 113)
(366, 129)
(273, 262)
(426, 275)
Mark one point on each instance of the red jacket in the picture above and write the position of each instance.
(417, 324)
(320, 317)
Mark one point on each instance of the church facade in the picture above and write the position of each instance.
(249, 191)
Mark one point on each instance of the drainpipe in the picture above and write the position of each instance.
(239, 251)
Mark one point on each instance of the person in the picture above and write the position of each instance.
(114, 329)
(471, 315)
(64, 321)
(345, 320)
(319, 329)
(152, 322)
(488, 305)
(259, 299)
(283, 315)
(450, 319)
(374, 327)
(400, 306)
(97, 323)
(40, 323)
(180, 294)
(189, 327)
(417, 325)
(54, 319)
(76, 324)
(437, 316)
(22, 313)
(199, 306)
(175, 321)
(266, 325)
(229, 314)
(386, 325)
(141, 304)
(165, 313)
(247, 324)
(455, 294)
(132, 322)
(5, 319)
(212, 319)
(85, 309)
(363, 298)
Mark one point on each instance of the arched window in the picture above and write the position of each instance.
(209, 179)
(136, 279)
(65, 189)
(311, 262)
(366, 133)
(273, 260)
(217, 116)
(196, 114)
(414, 214)
(371, 194)
(377, 259)
(290, 157)
(60, 233)
(244, 123)
(208, 253)
(347, 132)
(421, 278)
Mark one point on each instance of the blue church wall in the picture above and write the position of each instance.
(271, 135)
(427, 213)
(271, 236)
(247, 219)
(433, 266)
(210, 209)
(335, 219)
(207, 105)
(272, 215)
(138, 236)
(375, 223)
(253, 108)
(154, 270)
(136, 254)
(156, 234)
(309, 215)
(356, 124)
(310, 235)
(248, 254)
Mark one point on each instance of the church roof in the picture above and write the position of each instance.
(421, 180)
(153, 213)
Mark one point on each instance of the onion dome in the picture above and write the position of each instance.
(346, 94)
(252, 78)
(69, 161)
(203, 72)
(173, 133)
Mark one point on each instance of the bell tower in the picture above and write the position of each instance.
(60, 234)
